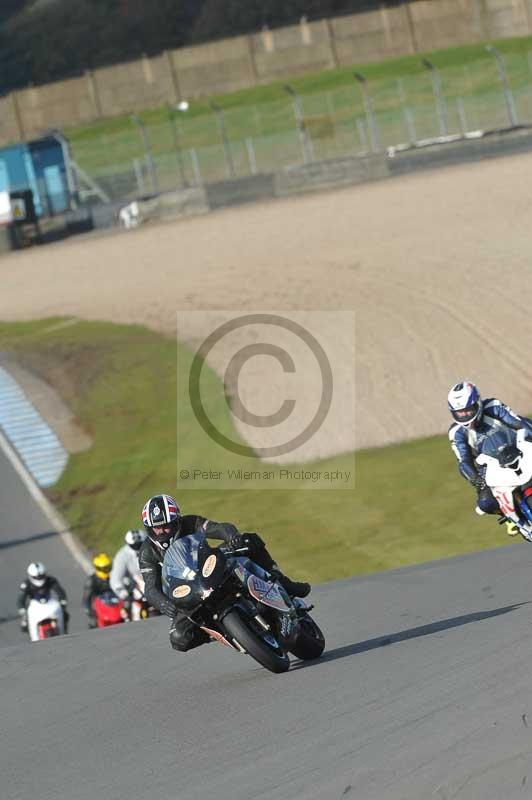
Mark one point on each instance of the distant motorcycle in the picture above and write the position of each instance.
(108, 609)
(507, 458)
(137, 605)
(239, 604)
(45, 617)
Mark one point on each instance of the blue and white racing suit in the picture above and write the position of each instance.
(467, 444)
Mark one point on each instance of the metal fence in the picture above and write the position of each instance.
(188, 146)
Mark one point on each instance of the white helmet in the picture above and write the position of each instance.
(465, 403)
(37, 573)
(134, 538)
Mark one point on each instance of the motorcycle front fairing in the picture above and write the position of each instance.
(192, 570)
(44, 607)
(504, 480)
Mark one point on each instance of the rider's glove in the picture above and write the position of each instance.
(123, 594)
(168, 607)
(479, 483)
(254, 541)
(237, 541)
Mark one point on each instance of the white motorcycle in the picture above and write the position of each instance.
(139, 608)
(45, 617)
(507, 457)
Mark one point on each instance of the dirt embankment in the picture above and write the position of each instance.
(436, 267)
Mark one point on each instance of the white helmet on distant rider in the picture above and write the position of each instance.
(36, 574)
(465, 404)
(134, 538)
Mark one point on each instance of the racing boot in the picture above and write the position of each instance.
(293, 588)
(511, 528)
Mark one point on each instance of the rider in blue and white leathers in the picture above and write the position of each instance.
(474, 420)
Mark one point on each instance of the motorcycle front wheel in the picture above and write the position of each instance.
(310, 642)
(268, 656)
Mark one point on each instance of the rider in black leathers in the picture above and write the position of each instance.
(96, 584)
(163, 522)
(36, 584)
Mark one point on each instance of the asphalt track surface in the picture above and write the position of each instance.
(26, 534)
(423, 692)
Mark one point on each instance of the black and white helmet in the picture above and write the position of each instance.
(134, 538)
(36, 573)
(162, 519)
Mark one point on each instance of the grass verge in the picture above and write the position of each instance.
(409, 505)
(261, 119)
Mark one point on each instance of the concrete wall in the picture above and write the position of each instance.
(293, 51)
(55, 105)
(244, 61)
(214, 68)
(135, 85)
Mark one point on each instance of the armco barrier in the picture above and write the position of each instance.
(322, 175)
(331, 173)
(243, 190)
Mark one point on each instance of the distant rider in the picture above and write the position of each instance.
(37, 584)
(474, 420)
(96, 584)
(164, 522)
(126, 578)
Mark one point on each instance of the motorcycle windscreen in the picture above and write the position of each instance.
(493, 444)
(181, 558)
(109, 598)
(181, 579)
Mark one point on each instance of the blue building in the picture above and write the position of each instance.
(41, 165)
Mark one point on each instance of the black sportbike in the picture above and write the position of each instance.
(239, 604)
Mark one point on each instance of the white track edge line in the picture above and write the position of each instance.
(46, 507)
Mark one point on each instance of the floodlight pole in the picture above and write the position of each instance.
(508, 95)
(147, 150)
(223, 133)
(370, 115)
(440, 102)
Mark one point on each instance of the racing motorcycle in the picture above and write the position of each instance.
(138, 606)
(239, 604)
(108, 609)
(45, 617)
(507, 458)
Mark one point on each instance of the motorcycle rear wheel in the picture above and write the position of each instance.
(310, 642)
(275, 660)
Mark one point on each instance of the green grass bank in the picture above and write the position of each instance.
(260, 123)
(409, 505)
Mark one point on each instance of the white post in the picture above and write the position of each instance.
(251, 156)
(195, 166)
(137, 166)
(362, 135)
(460, 107)
(410, 124)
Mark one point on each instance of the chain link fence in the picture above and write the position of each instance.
(190, 147)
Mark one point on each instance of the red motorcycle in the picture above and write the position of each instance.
(108, 609)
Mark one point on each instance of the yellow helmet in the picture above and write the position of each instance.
(102, 564)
